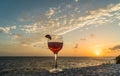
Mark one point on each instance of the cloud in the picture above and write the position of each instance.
(92, 35)
(97, 17)
(68, 6)
(4, 29)
(26, 18)
(30, 28)
(64, 22)
(33, 42)
(83, 39)
(115, 48)
(118, 24)
(76, 0)
(16, 36)
(50, 12)
(53, 22)
(13, 27)
(7, 29)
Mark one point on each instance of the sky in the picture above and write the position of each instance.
(88, 27)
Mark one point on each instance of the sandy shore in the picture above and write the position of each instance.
(102, 70)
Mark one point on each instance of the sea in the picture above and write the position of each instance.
(43, 63)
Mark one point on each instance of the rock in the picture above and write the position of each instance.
(118, 59)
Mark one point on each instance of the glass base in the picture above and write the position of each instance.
(55, 70)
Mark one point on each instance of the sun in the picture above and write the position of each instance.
(97, 53)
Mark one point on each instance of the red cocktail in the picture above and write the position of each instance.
(55, 43)
(55, 46)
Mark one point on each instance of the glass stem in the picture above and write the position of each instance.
(55, 61)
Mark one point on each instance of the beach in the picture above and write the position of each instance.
(101, 70)
(72, 66)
